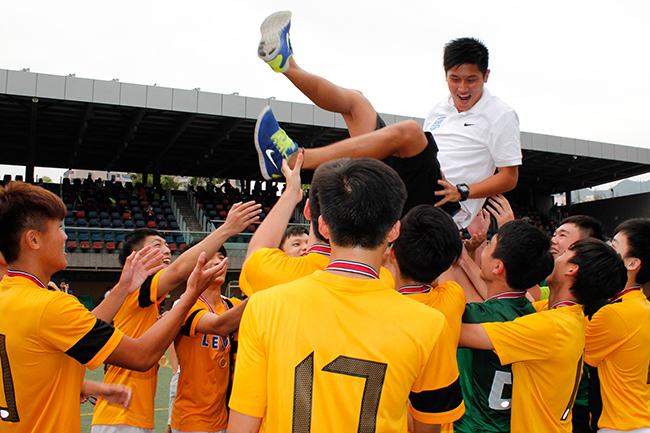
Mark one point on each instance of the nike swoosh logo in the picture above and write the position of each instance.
(269, 154)
(469, 124)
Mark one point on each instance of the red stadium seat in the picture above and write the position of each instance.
(84, 245)
(71, 245)
(110, 246)
(172, 247)
(98, 245)
(151, 224)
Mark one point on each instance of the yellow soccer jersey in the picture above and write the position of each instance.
(200, 403)
(269, 267)
(618, 343)
(46, 339)
(448, 298)
(546, 352)
(138, 313)
(336, 354)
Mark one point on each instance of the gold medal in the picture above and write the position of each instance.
(223, 363)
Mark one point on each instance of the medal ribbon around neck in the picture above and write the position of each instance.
(508, 295)
(563, 304)
(324, 250)
(414, 289)
(623, 292)
(353, 268)
(27, 275)
(223, 363)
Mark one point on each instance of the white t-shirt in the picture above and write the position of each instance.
(472, 144)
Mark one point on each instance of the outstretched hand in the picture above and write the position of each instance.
(200, 278)
(293, 177)
(139, 266)
(480, 224)
(499, 207)
(449, 192)
(241, 215)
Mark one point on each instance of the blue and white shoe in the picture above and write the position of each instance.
(275, 46)
(272, 144)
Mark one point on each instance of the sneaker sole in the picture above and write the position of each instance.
(260, 152)
(271, 30)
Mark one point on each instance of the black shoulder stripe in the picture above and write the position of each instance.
(439, 400)
(144, 297)
(187, 326)
(91, 343)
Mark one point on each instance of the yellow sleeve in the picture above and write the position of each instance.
(436, 395)
(604, 334)
(249, 393)
(526, 338)
(254, 266)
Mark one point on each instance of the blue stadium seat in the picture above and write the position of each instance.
(128, 224)
(117, 224)
(106, 223)
(139, 223)
(173, 225)
(81, 222)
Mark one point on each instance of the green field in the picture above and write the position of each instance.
(160, 408)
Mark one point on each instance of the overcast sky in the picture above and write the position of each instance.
(570, 68)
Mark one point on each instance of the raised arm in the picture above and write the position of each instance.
(142, 353)
(241, 215)
(269, 233)
(221, 324)
(137, 267)
(503, 181)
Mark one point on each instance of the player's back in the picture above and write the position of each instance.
(618, 343)
(340, 354)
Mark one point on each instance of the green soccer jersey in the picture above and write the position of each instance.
(486, 384)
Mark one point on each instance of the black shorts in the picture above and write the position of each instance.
(420, 174)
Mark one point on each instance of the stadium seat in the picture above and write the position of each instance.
(105, 223)
(151, 224)
(81, 222)
(139, 224)
(92, 214)
(180, 240)
(71, 245)
(171, 217)
(182, 247)
(169, 211)
(117, 223)
(81, 214)
(172, 247)
(137, 216)
(173, 225)
(126, 216)
(110, 246)
(93, 222)
(69, 221)
(108, 238)
(84, 245)
(98, 246)
(115, 216)
(128, 224)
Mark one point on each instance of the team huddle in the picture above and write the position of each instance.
(365, 323)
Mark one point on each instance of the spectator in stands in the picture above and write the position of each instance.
(294, 242)
(64, 286)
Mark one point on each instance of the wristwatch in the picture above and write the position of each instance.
(463, 189)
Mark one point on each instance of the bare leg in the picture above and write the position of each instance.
(359, 115)
(403, 139)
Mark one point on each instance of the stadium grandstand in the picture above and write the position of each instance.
(116, 128)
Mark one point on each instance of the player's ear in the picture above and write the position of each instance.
(485, 77)
(323, 228)
(573, 271)
(394, 232)
(307, 211)
(32, 239)
(498, 268)
(633, 265)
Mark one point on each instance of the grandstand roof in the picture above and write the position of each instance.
(71, 122)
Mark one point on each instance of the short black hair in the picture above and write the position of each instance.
(601, 271)
(428, 243)
(466, 50)
(637, 232)
(293, 231)
(589, 227)
(25, 207)
(359, 199)
(132, 240)
(525, 252)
